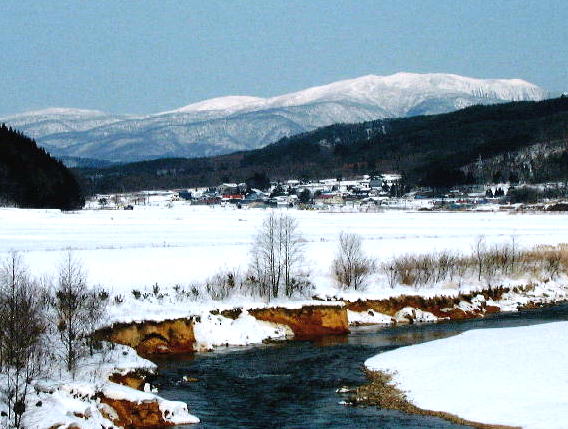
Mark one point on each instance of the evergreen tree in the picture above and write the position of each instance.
(31, 178)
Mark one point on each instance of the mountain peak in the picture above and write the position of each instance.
(402, 87)
(227, 103)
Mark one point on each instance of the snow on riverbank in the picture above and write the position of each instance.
(509, 376)
(60, 400)
(171, 304)
(215, 330)
(76, 405)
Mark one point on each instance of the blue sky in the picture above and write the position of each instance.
(150, 56)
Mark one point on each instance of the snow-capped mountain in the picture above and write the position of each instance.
(226, 124)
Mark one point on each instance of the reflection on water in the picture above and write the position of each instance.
(330, 340)
(292, 384)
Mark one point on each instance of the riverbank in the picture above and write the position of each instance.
(382, 392)
(160, 325)
(96, 396)
(110, 391)
(243, 326)
(99, 396)
(506, 376)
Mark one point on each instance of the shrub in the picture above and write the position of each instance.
(351, 267)
(222, 285)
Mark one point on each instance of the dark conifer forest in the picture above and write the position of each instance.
(31, 178)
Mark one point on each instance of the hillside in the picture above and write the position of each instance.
(436, 150)
(31, 178)
(458, 147)
(228, 124)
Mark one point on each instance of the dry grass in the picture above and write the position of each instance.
(383, 393)
(487, 264)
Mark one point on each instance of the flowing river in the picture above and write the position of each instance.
(293, 384)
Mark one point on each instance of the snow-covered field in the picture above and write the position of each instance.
(509, 376)
(174, 243)
(122, 250)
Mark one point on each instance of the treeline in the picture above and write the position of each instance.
(429, 150)
(31, 178)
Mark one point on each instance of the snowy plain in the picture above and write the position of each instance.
(508, 376)
(122, 250)
(172, 242)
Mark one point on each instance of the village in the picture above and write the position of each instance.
(365, 193)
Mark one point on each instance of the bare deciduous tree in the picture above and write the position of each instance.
(276, 251)
(78, 310)
(513, 252)
(291, 251)
(265, 253)
(351, 267)
(22, 323)
(479, 250)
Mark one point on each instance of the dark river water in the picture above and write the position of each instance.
(293, 384)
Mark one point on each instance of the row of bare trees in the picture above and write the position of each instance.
(277, 267)
(41, 322)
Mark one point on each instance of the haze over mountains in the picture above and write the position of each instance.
(227, 124)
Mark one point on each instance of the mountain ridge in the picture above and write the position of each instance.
(225, 124)
(364, 84)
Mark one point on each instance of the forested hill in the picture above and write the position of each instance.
(31, 178)
(525, 140)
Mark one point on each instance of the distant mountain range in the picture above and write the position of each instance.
(227, 124)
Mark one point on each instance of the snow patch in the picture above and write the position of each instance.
(215, 330)
(369, 317)
(508, 376)
(412, 315)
